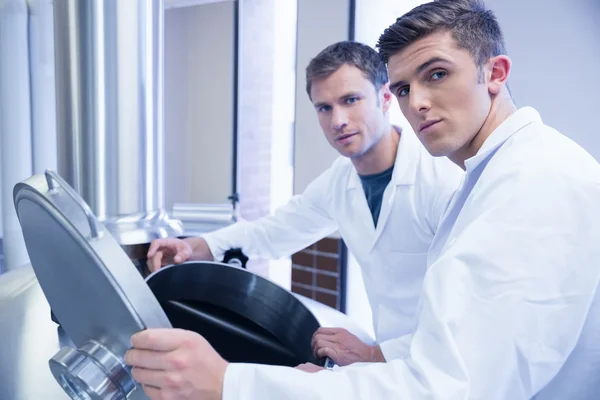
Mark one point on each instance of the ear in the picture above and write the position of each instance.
(385, 97)
(498, 69)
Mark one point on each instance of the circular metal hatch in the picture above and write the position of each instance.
(94, 289)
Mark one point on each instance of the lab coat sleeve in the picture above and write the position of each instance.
(500, 312)
(397, 348)
(294, 226)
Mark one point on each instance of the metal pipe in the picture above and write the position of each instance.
(15, 122)
(43, 101)
(109, 67)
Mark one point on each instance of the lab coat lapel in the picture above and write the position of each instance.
(360, 216)
(440, 241)
(384, 213)
(474, 168)
(405, 170)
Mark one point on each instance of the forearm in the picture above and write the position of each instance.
(290, 229)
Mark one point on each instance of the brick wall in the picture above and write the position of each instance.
(318, 272)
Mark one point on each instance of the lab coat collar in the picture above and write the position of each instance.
(521, 118)
(405, 165)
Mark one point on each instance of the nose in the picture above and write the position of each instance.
(419, 102)
(339, 119)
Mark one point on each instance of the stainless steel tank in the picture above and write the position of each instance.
(109, 88)
(100, 299)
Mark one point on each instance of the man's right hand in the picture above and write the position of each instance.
(175, 251)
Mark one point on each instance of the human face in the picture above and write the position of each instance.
(442, 94)
(352, 114)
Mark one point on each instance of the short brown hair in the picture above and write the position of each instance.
(355, 54)
(474, 28)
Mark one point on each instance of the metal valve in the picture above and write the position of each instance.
(92, 373)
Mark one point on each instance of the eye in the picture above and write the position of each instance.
(403, 91)
(436, 76)
(324, 109)
(351, 100)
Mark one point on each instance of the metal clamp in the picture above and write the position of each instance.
(51, 177)
(92, 372)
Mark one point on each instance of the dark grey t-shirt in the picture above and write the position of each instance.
(374, 186)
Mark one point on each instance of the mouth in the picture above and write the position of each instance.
(428, 124)
(344, 136)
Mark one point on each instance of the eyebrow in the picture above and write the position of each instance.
(345, 96)
(420, 69)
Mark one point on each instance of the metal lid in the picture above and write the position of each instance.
(91, 285)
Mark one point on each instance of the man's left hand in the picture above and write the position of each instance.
(176, 364)
(343, 347)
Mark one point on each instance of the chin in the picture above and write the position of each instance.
(439, 149)
(435, 152)
(349, 152)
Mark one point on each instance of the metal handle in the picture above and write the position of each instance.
(51, 177)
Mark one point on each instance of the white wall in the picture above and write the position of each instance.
(199, 54)
(320, 23)
(0, 190)
(370, 24)
(555, 48)
(282, 140)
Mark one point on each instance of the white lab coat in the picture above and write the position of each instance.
(393, 257)
(508, 309)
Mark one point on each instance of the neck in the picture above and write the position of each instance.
(380, 156)
(502, 108)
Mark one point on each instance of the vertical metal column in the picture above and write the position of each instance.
(109, 72)
(43, 96)
(15, 122)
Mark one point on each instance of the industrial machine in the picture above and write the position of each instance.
(100, 299)
(66, 317)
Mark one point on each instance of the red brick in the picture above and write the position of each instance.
(303, 291)
(327, 282)
(327, 299)
(304, 259)
(330, 264)
(328, 245)
(305, 277)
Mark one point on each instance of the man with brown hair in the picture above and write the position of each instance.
(385, 194)
(509, 308)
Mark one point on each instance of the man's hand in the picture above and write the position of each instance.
(343, 347)
(176, 364)
(168, 251)
(309, 367)
(175, 251)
